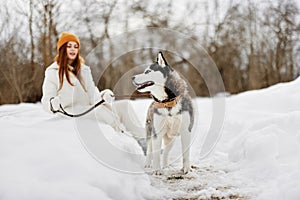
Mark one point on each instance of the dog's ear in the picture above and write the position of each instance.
(161, 60)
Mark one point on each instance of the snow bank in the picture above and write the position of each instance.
(43, 158)
(258, 155)
(262, 140)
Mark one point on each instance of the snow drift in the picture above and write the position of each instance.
(47, 157)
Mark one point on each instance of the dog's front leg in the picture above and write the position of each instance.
(156, 149)
(149, 153)
(185, 146)
(168, 142)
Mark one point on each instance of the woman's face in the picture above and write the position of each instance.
(72, 50)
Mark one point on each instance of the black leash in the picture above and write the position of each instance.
(62, 111)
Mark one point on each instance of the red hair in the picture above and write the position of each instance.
(62, 61)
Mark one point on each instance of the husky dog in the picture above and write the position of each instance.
(170, 114)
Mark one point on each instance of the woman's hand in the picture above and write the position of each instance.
(54, 103)
(107, 95)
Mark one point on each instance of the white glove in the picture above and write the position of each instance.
(107, 95)
(55, 102)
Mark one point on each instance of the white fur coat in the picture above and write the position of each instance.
(70, 96)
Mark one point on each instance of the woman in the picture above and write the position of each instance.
(68, 82)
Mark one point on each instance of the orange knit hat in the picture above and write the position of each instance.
(67, 37)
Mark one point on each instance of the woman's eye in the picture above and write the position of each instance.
(75, 47)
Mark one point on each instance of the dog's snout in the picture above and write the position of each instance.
(132, 78)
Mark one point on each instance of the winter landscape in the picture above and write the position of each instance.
(240, 59)
(257, 156)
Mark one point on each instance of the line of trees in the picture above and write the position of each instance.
(254, 45)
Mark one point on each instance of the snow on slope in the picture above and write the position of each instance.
(257, 156)
(261, 140)
(42, 158)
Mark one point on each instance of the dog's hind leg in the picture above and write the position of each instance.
(168, 142)
(185, 146)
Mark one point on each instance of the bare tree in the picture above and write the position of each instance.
(254, 45)
(283, 24)
(254, 48)
(46, 10)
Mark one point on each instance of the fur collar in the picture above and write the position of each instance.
(166, 104)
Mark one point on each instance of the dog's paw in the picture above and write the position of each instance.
(186, 169)
(147, 165)
(157, 172)
(165, 163)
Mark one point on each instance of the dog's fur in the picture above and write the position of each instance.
(165, 84)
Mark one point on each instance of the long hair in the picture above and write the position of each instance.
(62, 61)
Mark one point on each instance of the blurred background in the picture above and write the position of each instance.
(254, 44)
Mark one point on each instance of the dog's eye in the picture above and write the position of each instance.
(147, 71)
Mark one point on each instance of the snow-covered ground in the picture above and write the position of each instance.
(257, 156)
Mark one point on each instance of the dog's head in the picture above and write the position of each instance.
(154, 77)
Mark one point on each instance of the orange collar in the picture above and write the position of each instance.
(168, 104)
